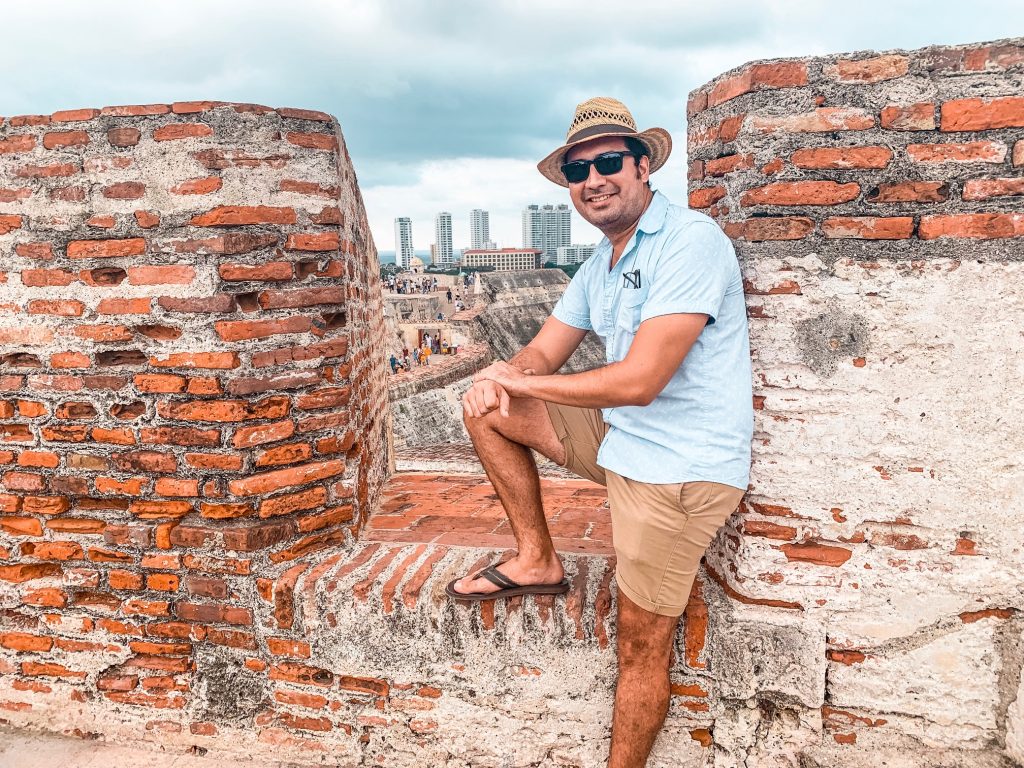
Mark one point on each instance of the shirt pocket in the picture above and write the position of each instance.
(628, 320)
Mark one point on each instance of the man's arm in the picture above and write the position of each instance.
(657, 351)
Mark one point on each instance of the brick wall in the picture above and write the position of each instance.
(876, 202)
(192, 401)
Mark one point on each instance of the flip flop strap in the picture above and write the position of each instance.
(497, 578)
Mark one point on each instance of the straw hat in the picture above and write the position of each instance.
(603, 116)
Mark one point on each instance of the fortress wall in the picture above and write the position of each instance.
(192, 399)
(876, 202)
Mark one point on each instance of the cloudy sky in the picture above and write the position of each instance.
(448, 104)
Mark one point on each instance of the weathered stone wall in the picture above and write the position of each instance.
(193, 403)
(875, 205)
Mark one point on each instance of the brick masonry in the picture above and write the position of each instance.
(875, 202)
(179, 560)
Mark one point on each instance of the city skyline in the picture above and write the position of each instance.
(546, 227)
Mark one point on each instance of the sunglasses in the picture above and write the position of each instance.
(607, 164)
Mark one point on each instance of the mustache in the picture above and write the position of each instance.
(600, 193)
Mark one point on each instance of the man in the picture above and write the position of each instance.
(665, 424)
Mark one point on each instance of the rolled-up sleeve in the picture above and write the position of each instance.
(574, 306)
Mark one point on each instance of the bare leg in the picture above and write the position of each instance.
(503, 444)
(642, 691)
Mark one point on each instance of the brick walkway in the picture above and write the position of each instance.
(463, 511)
(460, 458)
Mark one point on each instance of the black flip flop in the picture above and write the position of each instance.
(509, 588)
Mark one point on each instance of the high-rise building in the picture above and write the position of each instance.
(479, 229)
(546, 228)
(404, 252)
(442, 252)
(573, 254)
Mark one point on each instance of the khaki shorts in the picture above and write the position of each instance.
(660, 531)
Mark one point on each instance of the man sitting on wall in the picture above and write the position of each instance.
(665, 424)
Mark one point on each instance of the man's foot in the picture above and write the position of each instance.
(517, 570)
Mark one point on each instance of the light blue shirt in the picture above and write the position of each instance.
(700, 425)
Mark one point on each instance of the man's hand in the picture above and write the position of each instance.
(510, 378)
(483, 397)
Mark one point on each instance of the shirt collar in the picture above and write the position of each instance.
(650, 222)
(654, 217)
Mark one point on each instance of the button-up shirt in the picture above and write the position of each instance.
(700, 426)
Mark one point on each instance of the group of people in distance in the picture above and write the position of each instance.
(432, 345)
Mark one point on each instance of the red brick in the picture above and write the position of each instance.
(305, 114)
(57, 139)
(227, 216)
(839, 158)
(309, 188)
(323, 141)
(294, 672)
(20, 143)
(705, 198)
(23, 572)
(13, 195)
(54, 170)
(74, 115)
(909, 192)
(23, 641)
(372, 685)
(982, 114)
(243, 330)
(1018, 153)
(211, 360)
(728, 164)
(984, 189)
(225, 410)
(123, 137)
(283, 646)
(274, 270)
(982, 226)
(816, 553)
(41, 669)
(868, 227)
(312, 241)
(821, 120)
(121, 579)
(125, 190)
(970, 152)
(147, 219)
(182, 131)
(9, 223)
(162, 275)
(52, 550)
(801, 193)
(873, 70)
(203, 186)
(92, 249)
(910, 117)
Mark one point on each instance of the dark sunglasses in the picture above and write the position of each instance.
(607, 164)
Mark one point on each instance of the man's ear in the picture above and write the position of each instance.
(644, 168)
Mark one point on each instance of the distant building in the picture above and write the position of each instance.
(573, 254)
(504, 259)
(404, 252)
(441, 254)
(480, 230)
(546, 228)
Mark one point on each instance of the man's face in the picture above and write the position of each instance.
(611, 203)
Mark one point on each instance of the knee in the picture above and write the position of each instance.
(478, 424)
